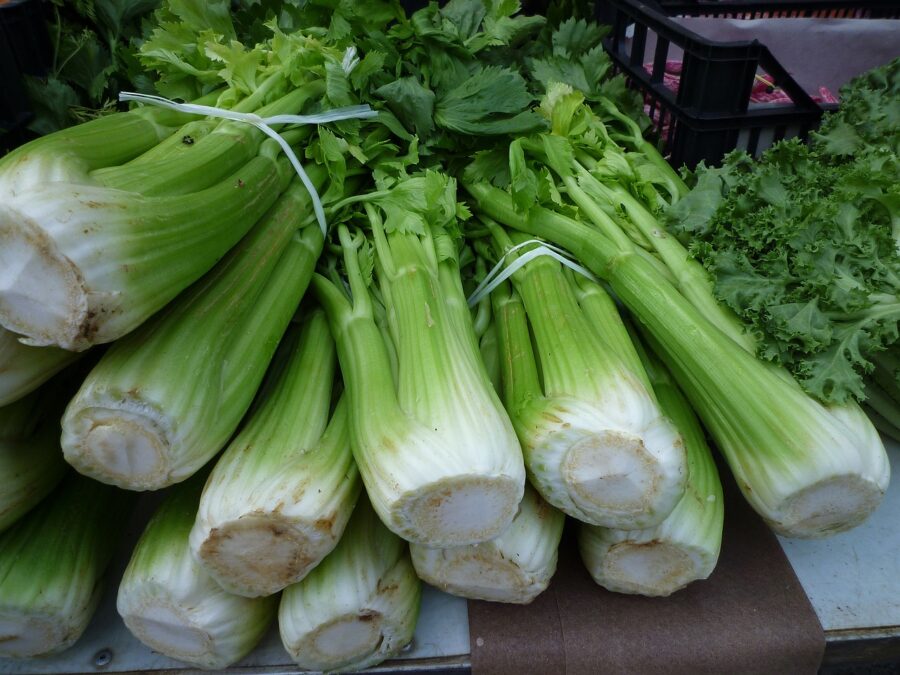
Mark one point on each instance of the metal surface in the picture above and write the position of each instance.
(441, 639)
(853, 578)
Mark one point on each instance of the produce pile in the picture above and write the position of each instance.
(804, 246)
(409, 354)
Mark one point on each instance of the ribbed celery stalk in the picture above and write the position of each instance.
(70, 154)
(807, 469)
(596, 445)
(166, 398)
(52, 563)
(435, 448)
(359, 606)
(178, 166)
(82, 264)
(173, 606)
(883, 393)
(280, 496)
(31, 462)
(23, 369)
(515, 567)
(490, 354)
(685, 547)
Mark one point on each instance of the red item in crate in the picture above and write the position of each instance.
(764, 91)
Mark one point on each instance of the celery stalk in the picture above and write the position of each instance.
(683, 548)
(173, 606)
(596, 445)
(23, 369)
(359, 606)
(70, 154)
(165, 399)
(807, 469)
(82, 264)
(52, 563)
(515, 567)
(31, 462)
(436, 451)
(280, 496)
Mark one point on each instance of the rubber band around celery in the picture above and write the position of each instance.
(496, 277)
(358, 112)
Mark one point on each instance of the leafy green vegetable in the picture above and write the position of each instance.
(869, 116)
(803, 244)
(94, 45)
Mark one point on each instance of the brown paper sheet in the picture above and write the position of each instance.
(750, 616)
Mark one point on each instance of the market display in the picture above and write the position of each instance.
(393, 297)
(803, 246)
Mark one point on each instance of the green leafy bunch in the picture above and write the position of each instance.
(803, 249)
(94, 56)
(868, 120)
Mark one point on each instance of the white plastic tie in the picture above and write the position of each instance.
(350, 61)
(498, 274)
(354, 112)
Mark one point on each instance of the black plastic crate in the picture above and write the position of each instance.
(711, 113)
(14, 110)
(759, 9)
(24, 49)
(23, 28)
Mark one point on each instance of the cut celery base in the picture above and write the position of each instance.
(479, 572)
(458, 510)
(619, 478)
(829, 506)
(612, 471)
(515, 567)
(165, 628)
(23, 635)
(42, 293)
(231, 552)
(343, 640)
(128, 448)
(651, 568)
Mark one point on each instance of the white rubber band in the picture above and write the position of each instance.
(498, 274)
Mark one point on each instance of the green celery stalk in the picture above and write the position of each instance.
(359, 606)
(23, 369)
(436, 451)
(685, 547)
(52, 563)
(31, 462)
(515, 567)
(173, 606)
(807, 469)
(70, 154)
(166, 398)
(209, 159)
(280, 496)
(596, 445)
(83, 264)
